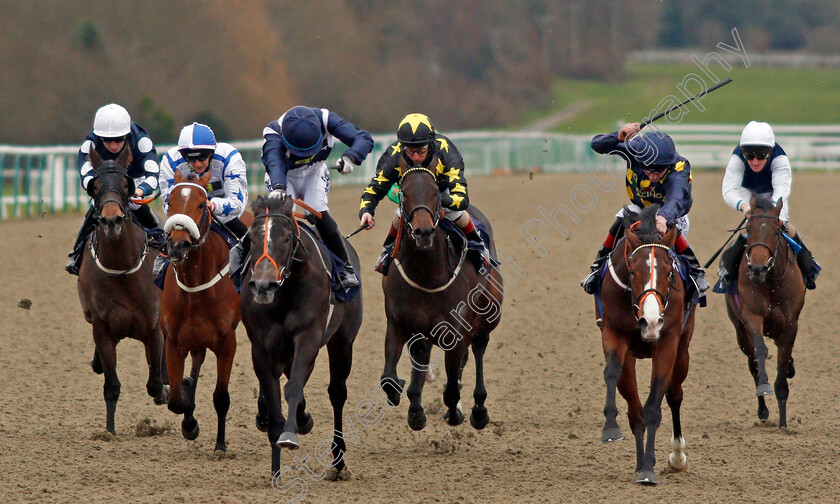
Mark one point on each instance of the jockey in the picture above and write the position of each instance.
(113, 130)
(418, 142)
(296, 147)
(656, 174)
(769, 174)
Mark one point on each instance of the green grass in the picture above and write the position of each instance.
(775, 95)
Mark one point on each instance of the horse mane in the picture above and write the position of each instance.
(274, 205)
(764, 202)
(646, 229)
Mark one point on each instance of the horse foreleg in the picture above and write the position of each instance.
(271, 397)
(784, 364)
(676, 459)
(479, 417)
(754, 326)
(221, 396)
(419, 350)
(189, 425)
(615, 350)
(390, 383)
(664, 357)
(629, 391)
(155, 386)
(302, 364)
(106, 348)
(451, 391)
(340, 350)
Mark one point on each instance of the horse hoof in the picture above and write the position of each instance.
(678, 463)
(220, 450)
(262, 423)
(763, 390)
(457, 419)
(610, 434)
(334, 474)
(763, 413)
(647, 478)
(432, 374)
(163, 396)
(189, 429)
(288, 440)
(96, 366)
(307, 426)
(416, 420)
(479, 417)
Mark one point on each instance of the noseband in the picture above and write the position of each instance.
(284, 272)
(121, 200)
(436, 214)
(773, 251)
(203, 223)
(661, 299)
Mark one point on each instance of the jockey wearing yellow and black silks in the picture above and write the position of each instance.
(656, 174)
(418, 142)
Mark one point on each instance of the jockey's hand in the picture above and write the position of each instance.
(278, 193)
(139, 193)
(627, 131)
(747, 209)
(367, 220)
(212, 205)
(661, 224)
(345, 165)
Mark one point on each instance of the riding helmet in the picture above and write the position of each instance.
(415, 129)
(301, 129)
(111, 121)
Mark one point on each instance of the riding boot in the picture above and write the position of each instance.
(485, 250)
(335, 242)
(238, 259)
(697, 272)
(730, 260)
(810, 268)
(74, 259)
(159, 270)
(150, 223)
(590, 281)
(387, 249)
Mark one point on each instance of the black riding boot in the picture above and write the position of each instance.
(805, 260)
(475, 237)
(697, 272)
(730, 260)
(590, 281)
(74, 259)
(335, 242)
(238, 256)
(150, 222)
(387, 249)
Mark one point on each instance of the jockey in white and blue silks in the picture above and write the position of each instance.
(296, 147)
(759, 166)
(113, 130)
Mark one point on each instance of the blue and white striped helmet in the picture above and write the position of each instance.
(195, 138)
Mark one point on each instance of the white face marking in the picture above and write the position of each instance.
(185, 192)
(650, 306)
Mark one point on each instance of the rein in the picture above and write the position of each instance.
(122, 203)
(282, 274)
(773, 251)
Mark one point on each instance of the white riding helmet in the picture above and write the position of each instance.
(758, 134)
(111, 121)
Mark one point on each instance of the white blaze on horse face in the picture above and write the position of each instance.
(650, 304)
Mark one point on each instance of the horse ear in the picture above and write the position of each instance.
(125, 156)
(204, 180)
(95, 158)
(753, 199)
(632, 239)
(670, 237)
(777, 209)
(178, 177)
(403, 163)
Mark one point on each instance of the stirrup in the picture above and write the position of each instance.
(347, 277)
(589, 282)
(71, 267)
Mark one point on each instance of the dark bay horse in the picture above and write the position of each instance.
(771, 294)
(644, 316)
(200, 308)
(115, 284)
(289, 311)
(434, 297)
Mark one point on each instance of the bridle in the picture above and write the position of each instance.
(661, 299)
(204, 222)
(436, 214)
(773, 251)
(284, 272)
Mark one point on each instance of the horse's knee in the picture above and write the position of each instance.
(221, 400)
(111, 390)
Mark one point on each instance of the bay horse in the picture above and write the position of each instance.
(115, 284)
(644, 316)
(434, 297)
(770, 297)
(200, 307)
(290, 312)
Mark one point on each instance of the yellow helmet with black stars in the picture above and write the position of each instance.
(415, 129)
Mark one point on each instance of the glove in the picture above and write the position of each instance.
(345, 165)
(278, 192)
(212, 205)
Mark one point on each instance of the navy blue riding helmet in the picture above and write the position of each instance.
(656, 151)
(302, 133)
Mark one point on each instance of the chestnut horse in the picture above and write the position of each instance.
(771, 294)
(644, 316)
(434, 297)
(115, 284)
(200, 305)
(290, 312)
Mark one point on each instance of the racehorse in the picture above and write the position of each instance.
(115, 284)
(645, 316)
(200, 305)
(290, 312)
(771, 294)
(434, 296)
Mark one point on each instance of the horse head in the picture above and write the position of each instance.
(189, 217)
(652, 270)
(764, 236)
(110, 188)
(275, 238)
(420, 202)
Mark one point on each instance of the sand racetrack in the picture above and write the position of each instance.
(544, 369)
